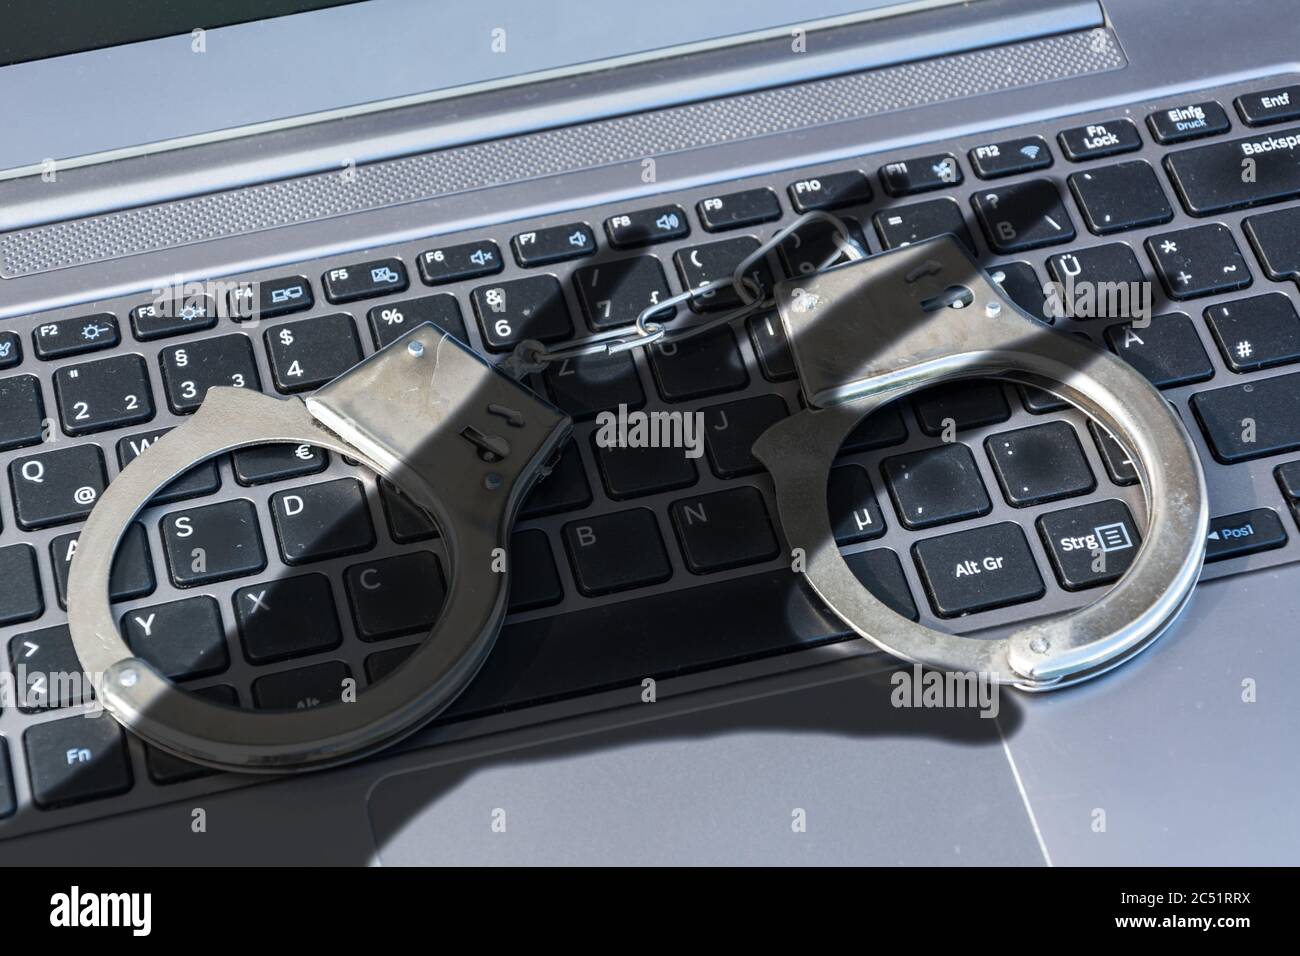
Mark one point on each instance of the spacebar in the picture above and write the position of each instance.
(619, 645)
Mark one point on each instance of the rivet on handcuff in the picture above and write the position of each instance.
(466, 442)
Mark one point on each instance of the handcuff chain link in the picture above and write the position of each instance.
(531, 356)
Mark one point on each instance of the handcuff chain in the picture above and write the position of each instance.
(531, 356)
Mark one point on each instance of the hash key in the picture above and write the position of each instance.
(528, 308)
(1256, 333)
(615, 552)
(322, 521)
(1203, 260)
(978, 570)
(312, 352)
(212, 543)
(109, 393)
(1023, 216)
(189, 370)
(57, 487)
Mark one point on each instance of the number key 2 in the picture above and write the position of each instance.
(108, 393)
(188, 371)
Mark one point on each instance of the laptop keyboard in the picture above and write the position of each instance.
(644, 563)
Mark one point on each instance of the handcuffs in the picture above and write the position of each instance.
(466, 442)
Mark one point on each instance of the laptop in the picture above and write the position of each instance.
(664, 690)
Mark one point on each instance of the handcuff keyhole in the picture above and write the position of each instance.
(953, 297)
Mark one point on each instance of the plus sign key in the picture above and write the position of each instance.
(1203, 260)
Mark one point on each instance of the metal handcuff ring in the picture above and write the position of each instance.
(870, 332)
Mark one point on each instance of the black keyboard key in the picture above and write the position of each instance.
(58, 486)
(1203, 260)
(707, 364)
(528, 308)
(909, 176)
(731, 429)
(1248, 532)
(132, 572)
(553, 244)
(935, 486)
(831, 191)
(1256, 333)
(700, 265)
(1090, 545)
(900, 226)
(960, 406)
(564, 489)
(172, 316)
(166, 769)
(588, 384)
(8, 796)
(47, 672)
(977, 570)
(881, 428)
(727, 529)
(1039, 463)
(1288, 479)
(382, 663)
(1178, 124)
(1168, 351)
(266, 463)
(647, 226)
(615, 552)
(75, 336)
(1099, 139)
(630, 472)
(310, 353)
(189, 370)
(391, 321)
(20, 598)
(364, 280)
(76, 759)
(322, 521)
(1120, 197)
(1039, 402)
(468, 260)
(406, 522)
(1258, 169)
(108, 393)
(183, 639)
(881, 573)
(816, 246)
(734, 210)
(11, 350)
(619, 644)
(212, 543)
(1009, 157)
(22, 411)
(1019, 281)
(1100, 282)
(286, 618)
(1119, 465)
(303, 688)
(534, 579)
(395, 596)
(1269, 106)
(1253, 420)
(851, 502)
(270, 298)
(1023, 216)
(771, 347)
(615, 293)
(1272, 234)
(202, 479)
